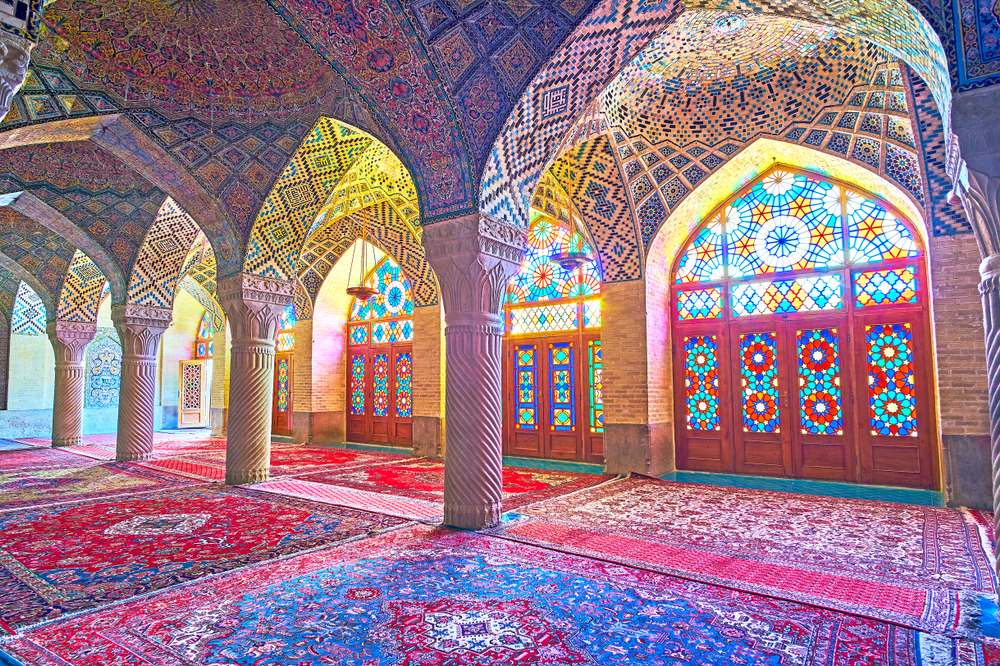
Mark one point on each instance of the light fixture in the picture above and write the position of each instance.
(361, 291)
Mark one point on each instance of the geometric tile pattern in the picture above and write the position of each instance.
(206, 300)
(161, 257)
(28, 316)
(302, 189)
(103, 370)
(82, 291)
(41, 252)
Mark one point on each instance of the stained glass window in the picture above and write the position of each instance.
(786, 222)
(874, 234)
(287, 320)
(592, 313)
(562, 386)
(699, 304)
(701, 382)
(358, 384)
(806, 294)
(285, 342)
(891, 395)
(394, 298)
(201, 350)
(540, 278)
(544, 318)
(393, 330)
(404, 375)
(359, 334)
(819, 382)
(381, 384)
(888, 287)
(526, 359)
(759, 377)
(205, 331)
(702, 260)
(596, 387)
(282, 385)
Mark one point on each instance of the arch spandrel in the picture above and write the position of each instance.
(162, 257)
(82, 291)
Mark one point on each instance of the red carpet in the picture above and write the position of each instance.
(359, 499)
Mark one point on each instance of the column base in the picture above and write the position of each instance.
(246, 477)
(473, 516)
(72, 441)
(134, 456)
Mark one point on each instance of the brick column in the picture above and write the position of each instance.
(140, 329)
(474, 257)
(15, 54)
(253, 305)
(69, 341)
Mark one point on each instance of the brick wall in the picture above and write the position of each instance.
(328, 364)
(958, 324)
(428, 361)
(623, 342)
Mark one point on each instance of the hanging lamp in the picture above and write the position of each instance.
(361, 291)
(572, 259)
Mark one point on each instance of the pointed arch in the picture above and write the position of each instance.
(161, 257)
(82, 291)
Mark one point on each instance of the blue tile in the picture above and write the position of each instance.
(809, 487)
(556, 465)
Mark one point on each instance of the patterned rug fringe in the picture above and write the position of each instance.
(935, 650)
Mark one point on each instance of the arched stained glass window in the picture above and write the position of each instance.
(203, 346)
(556, 299)
(800, 310)
(286, 329)
(388, 315)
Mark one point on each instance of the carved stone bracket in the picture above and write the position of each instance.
(70, 339)
(254, 304)
(15, 54)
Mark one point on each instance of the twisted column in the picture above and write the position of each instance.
(139, 329)
(15, 54)
(69, 342)
(474, 257)
(253, 305)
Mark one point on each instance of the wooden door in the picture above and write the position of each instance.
(194, 394)
(358, 378)
(401, 372)
(894, 415)
(281, 408)
(592, 373)
(524, 400)
(701, 373)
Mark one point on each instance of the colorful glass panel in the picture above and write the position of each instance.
(394, 330)
(527, 387)
(786, 222)
(819, 382)
(282, 391)
(540, 278)
(544, 318)
(358, 384)
(394, 297)
(596, 387)
(592, 316)
(191, 386)
(759, 377)
(891, 391)
(874, 234)
(287, 320)
(702, 261)
(562, 387)
(808, 294)
(211, 348)
(699, 304)
(359, 334)
(205, 331)
(889, 287)
(701, 382)
(285, 342)
(404, 392)
(201, 351)
(381, 385)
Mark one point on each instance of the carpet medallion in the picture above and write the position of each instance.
(67, 557)
(36, 487)
(422, 596)
(423, 479)
(914, 565)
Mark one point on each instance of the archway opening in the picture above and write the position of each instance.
(801, 337)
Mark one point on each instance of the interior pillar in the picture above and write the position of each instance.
(69, 341)
(220, 375)
(140, 329)
(15, 54)
(474, 258)
(974, 166)
(253, 306)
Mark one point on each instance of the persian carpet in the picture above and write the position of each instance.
(13, 445)
(917, 566)
(432, 597)
(60, 559)
(38, 458)
(423, 478)
(37, 487)
(402, 507)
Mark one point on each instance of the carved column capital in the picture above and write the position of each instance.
(474, 257)
(15, 54)
(140, 328)
(70, 339)
(254, 305)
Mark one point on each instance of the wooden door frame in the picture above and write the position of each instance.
(289, 355)
(205, 407)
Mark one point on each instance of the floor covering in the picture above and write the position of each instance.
(338, 560)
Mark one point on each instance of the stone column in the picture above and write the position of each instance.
(220, 378)
(69, 341)
(974, 167)
(15, 54)
(253, 305)
(139, 329)
(474, 257)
